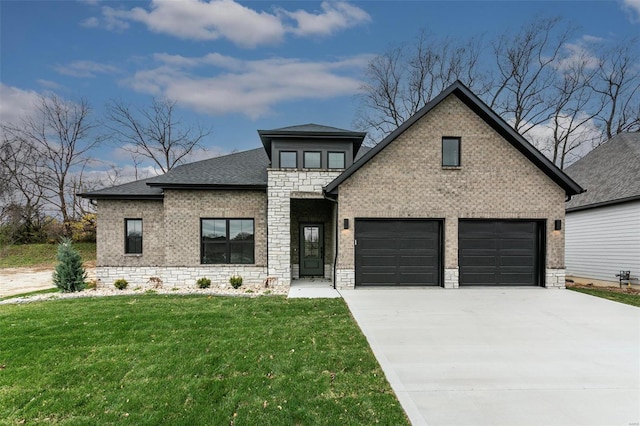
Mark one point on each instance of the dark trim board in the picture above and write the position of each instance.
(501, 252)
(398, 252)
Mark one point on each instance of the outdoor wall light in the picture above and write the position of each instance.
(557, 225)
(345, 224)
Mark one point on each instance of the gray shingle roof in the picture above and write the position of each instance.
(240, 169)
(132, 190)
(311, 127)
(610, 173)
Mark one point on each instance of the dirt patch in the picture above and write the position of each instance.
(23, 280)
(624, 289)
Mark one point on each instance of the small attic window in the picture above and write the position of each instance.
(312, 160)
(288, 159)
(336, 160)
(450, 152)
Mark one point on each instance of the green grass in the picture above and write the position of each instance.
(190, 360)
(40, 255)
(32, 293)
(627, 298)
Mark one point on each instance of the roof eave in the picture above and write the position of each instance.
(200, 186)
(603, 204)
(122, 196)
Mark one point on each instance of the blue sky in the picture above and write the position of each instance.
(242, 66)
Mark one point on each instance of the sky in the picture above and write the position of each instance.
(236, 67)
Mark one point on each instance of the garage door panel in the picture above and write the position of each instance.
(498, 252)
(398, 252)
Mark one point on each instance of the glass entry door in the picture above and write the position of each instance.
(311, 250)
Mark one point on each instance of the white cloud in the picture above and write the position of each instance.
(16, 103)
(227, 19)
(579, 53)
(334, 16)
(633, 7)
(48, 84)
(86, 69)
(250, 87)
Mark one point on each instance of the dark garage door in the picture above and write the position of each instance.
(500, 252)
(398, 252)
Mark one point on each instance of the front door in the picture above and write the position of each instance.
(311, 250)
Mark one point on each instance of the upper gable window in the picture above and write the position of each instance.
(335, 160)
(288, 159)
(312, 160)
(450, 152)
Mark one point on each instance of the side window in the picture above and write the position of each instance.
(335, 160)
(227, 241)
(312, 160)
(288, 159)
(133, 236)
(450, 152)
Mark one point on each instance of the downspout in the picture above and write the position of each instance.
(335, 242)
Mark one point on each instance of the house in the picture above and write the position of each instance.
(603, 224)
(453, 197)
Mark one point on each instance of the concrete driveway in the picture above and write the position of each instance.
(505, 356)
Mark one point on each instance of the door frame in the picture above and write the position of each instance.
(320, 226)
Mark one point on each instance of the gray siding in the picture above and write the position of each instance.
(602, 241)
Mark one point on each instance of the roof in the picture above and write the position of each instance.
(311, 132)
(138, 190)
(240, 170)
(610, 173)
(491, 118)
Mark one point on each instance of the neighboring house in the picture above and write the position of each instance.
(453, 197)
(603, 224)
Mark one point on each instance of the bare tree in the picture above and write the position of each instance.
(525, 71)
(56, 142)
(572, 112)
(154, 133)
(403, 79)
(617, 82)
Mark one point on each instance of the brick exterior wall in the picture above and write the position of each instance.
(183, 210)
(171, 237)
(495, 181)
(110, 232)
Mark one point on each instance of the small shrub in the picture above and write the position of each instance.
(92, 285)
(120, 284)
(156, 282)
(69, 275)
(235, 281)
(203, 282)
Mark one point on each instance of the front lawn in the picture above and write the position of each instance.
(156, 359)
(41, 255)
(629, 297)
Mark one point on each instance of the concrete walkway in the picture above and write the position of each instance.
(505, 356)
(312, 288)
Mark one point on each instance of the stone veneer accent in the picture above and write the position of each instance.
(494, 181)
(281, 184)
(451, 278)
(555, 278)
(345, 278)
(181, 277)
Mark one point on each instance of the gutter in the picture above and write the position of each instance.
(335, 239)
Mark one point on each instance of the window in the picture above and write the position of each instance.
(312, 160)
(336, 160)
(450, 152)
(226, 241)
(288, 159)
(133, 236)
